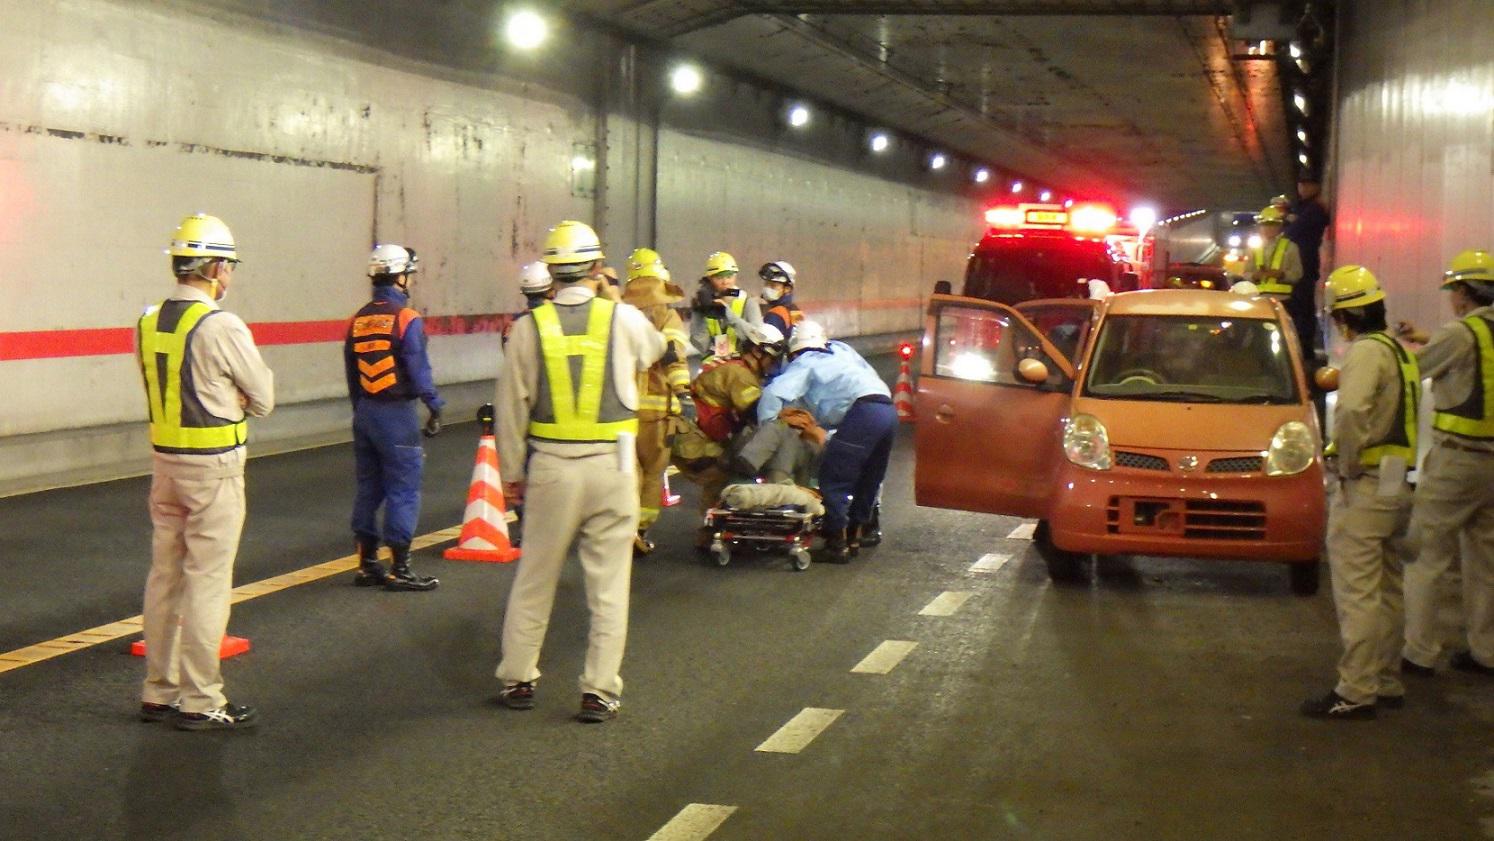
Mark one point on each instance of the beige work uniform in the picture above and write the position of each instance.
(1367, 526)
(581, 494)
(657, 388)
(1291, 264)
(1454, 499)
(197, 514)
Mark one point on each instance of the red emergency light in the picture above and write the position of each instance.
(1087, 219)
(1092, 218)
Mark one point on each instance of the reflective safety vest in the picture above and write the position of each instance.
(1474, 418)
(1402, 440)
(1273, 286)
(374, 337)
(588, 411)
(179, 423)
(718, 326)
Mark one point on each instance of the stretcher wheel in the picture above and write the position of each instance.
(722, 553)
(800, 559)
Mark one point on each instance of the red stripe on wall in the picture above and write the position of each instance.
(113, 341)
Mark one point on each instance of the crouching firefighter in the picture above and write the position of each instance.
(387, 370)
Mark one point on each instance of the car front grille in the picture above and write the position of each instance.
(1241, 464)
(1140, 461)
(1202, 519)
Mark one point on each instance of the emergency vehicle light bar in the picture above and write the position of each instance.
(1090, 219)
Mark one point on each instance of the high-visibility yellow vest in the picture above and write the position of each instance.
(1475, 417)
(179, 423)
(591, 411)
(718, 326)
(1273, 286)
(1402, 440)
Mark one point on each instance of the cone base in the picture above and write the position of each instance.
(491, 556)
(229, 647)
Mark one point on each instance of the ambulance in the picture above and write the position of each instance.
(1032, 251)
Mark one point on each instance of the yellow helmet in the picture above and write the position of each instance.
(1271, 215)
(1475, 264)
(1280, 201)
(646, 262)
(720, 263)
(201, 235)
(1352, 286)
(572, 243)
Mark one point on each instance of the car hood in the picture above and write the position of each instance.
(1191, 426)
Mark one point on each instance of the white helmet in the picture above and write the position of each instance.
(780, 271)
(392, 259)
(808, 334)
(764, 336)
(534, 279)
(1246, 288)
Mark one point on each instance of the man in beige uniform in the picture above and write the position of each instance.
(1455, 497)
(568, 394)
(1275, 265)
(1374, 438)
(202, 375)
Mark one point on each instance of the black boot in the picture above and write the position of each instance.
(871, 531)
(400, 575)
(853, 538)
(837, 551)
(371, 573)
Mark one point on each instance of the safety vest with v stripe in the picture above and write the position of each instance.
(577, 400)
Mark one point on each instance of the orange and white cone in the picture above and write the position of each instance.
(902, 394)
(484, 526)
(668, 498)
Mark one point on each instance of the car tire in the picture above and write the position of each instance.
(1064, 567)
(1305, 577)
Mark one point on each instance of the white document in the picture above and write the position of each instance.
(1392, 476)
(627, 452)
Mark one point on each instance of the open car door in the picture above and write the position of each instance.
(987, 439)
(1064, 322)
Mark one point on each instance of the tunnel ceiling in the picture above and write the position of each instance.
(1126, 99)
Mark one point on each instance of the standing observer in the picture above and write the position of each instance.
(387, 370)
(202, 375)
(568, 400)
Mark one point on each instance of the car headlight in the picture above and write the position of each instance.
(1293, 449)
(1086, 443)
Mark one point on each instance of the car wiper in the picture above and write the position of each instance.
(1182, 396)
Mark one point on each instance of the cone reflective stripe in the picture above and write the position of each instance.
(484, 526)
(902, 395)
(668, 499)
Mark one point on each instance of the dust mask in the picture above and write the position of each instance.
(772, 293)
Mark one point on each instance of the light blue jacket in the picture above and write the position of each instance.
(825, 383)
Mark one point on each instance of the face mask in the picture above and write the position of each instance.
(772, 293)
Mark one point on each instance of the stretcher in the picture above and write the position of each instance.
(740, 523)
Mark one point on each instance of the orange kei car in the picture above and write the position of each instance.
(1159, 422)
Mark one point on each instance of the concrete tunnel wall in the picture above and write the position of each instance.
(1413, 174)
(112, 127)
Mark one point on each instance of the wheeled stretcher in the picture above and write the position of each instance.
(765, 518)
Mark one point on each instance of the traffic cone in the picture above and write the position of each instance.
(668, 499)
(484, 524)
(902, 394)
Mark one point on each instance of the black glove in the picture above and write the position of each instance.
(433, 424)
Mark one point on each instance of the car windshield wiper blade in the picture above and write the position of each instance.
(1182, 396)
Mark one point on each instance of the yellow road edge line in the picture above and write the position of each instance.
(46, 650)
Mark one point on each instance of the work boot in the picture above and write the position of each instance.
(853, 539)
(371, 573)
(837, 551)
(401, 577)
(871, 530)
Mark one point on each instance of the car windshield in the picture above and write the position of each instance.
(1010, 270)
(1191, 359)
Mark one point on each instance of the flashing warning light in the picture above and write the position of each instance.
(1092, 218)
(1004, 217)
(1143, 217)
(905, 350)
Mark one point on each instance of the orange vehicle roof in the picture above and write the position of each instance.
(1193, 302)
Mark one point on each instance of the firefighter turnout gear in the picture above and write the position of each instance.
(206, 358)
(388, 370)
(566, 408)
(661, 385)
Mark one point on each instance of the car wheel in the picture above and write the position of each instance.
(1063, 566)
(1305, 577)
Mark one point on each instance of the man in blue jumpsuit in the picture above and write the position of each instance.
(387, 370)
(845, 394)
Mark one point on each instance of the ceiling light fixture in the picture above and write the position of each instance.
(686, 79)
(526, 30)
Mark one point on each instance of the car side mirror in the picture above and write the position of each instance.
(1032, 371)
(1326, 378)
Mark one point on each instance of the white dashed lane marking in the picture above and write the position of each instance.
(946, 603)
(693, 823)
(990, 562)
(1023, 531)
(800, 730)
(884, 658)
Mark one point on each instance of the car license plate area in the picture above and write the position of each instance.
(1138, 515)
